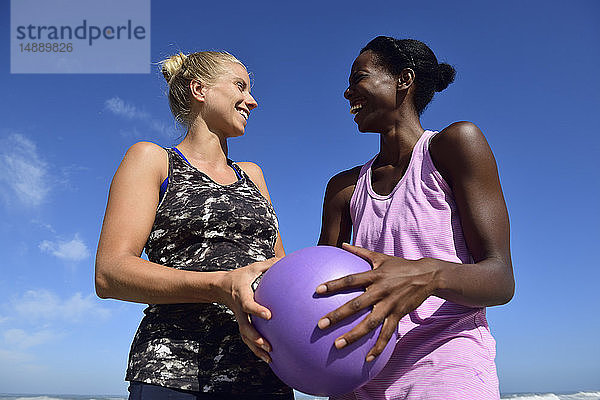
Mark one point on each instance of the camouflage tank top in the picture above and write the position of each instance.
(201, 225)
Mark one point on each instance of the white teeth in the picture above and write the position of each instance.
(244, 114)
(355, 108)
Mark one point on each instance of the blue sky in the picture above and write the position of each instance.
(527, 76)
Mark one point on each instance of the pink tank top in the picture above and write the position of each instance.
(445, 350)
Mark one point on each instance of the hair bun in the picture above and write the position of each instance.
(172, 65)
(446, 74)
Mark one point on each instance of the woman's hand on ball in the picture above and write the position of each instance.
(259, 346)
(394, 288)
(237, 294)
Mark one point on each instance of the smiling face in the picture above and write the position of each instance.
(372, 92)
(228, 102)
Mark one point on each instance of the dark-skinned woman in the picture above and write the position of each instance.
(428, 213)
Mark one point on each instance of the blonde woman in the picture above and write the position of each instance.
(209, 230)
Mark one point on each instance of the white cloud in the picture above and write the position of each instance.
(67, 174)
(22, 340)
(23, 171)
(45, 305)
(119, 107)
(43, 225)
(72, 250)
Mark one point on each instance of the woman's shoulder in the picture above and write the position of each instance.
(346, 178)
(341, 186)
(457, 134)
(462, 138)
(458, 148)
(145, 150)
(253, 170)
(146, 156)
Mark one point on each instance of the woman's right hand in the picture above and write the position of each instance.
(238, 296)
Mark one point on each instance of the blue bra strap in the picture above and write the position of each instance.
(235, 168)
(163, 188)
(182, 156)
(163, 185)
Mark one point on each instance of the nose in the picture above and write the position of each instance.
(347, 93)
(251, 102)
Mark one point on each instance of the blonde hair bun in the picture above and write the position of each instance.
(171, 66)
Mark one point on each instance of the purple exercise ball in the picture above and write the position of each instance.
(304, 356)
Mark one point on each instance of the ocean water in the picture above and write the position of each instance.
(301, 396)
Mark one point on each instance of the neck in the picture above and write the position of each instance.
(200, 143)
(396, 143)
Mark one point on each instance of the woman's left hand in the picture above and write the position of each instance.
(394, 287)
(235, 288)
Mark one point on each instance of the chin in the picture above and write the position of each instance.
(361, 129)
(239, 133)
(364, 129)
(237, 130)
(367, 126)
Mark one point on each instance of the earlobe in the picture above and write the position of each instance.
(400, 84)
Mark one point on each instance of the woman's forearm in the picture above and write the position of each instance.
(132, 278)
(483, 284)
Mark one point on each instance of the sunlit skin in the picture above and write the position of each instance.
(396, 286)
(133, 199)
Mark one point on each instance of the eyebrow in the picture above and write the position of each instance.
(239, 78)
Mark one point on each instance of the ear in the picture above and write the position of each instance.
(406, 79)
(198, 90)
